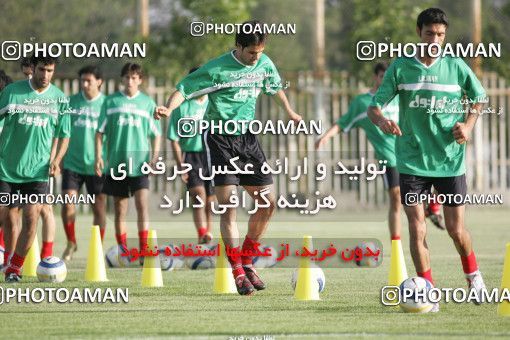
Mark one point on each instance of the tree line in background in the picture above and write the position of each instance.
(172, 50)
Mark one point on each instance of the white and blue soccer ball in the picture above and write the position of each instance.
(51, 269)
(416, 292)
(265, 261)
(114, 258)
(200, 262)
(370, 262)
(317, 275)
(2, 251)
(171, 262)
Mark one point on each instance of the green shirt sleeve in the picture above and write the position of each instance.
(155, 125)
(4, 102)
(469, 83)
(102, 122)
(196, 83)
(388, 89)
(273, 82)
(346, 121)
(64, 121)
(172, 125)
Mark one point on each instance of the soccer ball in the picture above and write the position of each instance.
(265, 261)
(114, 257)
(370, 262)
(203, 262)
(170, 262)
(2, 251)
(51, 269)
(317, 274)
(415, 284)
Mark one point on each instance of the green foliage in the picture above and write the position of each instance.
(68, 21)
(173, 50)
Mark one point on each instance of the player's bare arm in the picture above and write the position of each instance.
(63, 143)
(173, 102)
(99, 158)
(386, 125)
(330, 133)
(283, 102)
(462, 131)
(177, 151)
(155, 148)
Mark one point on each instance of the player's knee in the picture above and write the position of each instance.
(456, 234)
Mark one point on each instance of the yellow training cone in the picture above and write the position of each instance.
(307, 288)
(151, 272)
(96, 269)
(398, 271)
(32, 260)
(504, 306)
(223, 279)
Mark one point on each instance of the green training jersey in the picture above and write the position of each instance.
(356, 117)
(189, 110)
(80, 156)
(231, 86)
(32, 120)
(430, 105)
(128, 124)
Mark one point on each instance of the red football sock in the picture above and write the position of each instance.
(235, 262)
(101, 232)
(434, 208)
(47, 249)
(121, 239)
(15, 265)
(395, 238)
(6, 258)
(201, 231)
(426, 275)
(70, 234)
(469, 264)
(2, 243)
(248, 245)
(142, 239)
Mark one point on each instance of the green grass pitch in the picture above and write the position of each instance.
(350, 305)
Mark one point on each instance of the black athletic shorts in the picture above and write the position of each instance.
(198, 161)
(8, 189)
(391, 177)
(411, 187)
(73, 181)
(220, 149)
(126, 187)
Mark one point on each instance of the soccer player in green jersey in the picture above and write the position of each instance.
(127, 124)
(47, 215)
(79, 161)
(190, 150)
(432, 138)
(35, 116)
(233, 82)
(383, 144)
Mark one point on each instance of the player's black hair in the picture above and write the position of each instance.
(193, 69)
(91, 69)
(380, 67)
(131, 68)
(4, 80)
(432, 16)
(25, 62)
(254, 36)
(46, 60)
